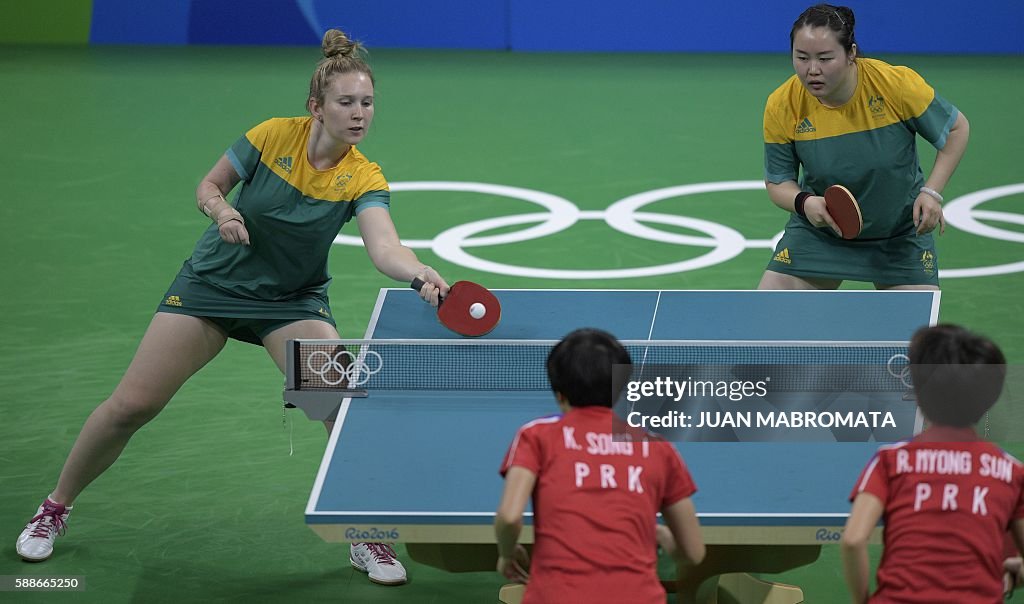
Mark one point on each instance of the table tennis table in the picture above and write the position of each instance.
(420, 466)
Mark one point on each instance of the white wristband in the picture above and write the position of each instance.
(933, 193)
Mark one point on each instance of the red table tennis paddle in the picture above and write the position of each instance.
(842, 207)
(469, 309)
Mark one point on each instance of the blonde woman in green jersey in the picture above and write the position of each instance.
(258, 273)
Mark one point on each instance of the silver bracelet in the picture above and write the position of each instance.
(933, 193)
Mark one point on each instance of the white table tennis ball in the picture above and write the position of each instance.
(477, 310)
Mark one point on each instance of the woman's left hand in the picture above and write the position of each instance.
(434, 288)
(515, 568)
(928, 214)
(1013, 574)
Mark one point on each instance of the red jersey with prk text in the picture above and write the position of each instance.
(594, 507)
(949, 500)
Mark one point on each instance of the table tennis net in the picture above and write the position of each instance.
(520, 365)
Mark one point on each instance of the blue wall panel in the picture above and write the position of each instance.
(932, 26)
(648, 26)
(134, 22)
(943, 26)
(924, 26)
(266, 22)
(478, 24)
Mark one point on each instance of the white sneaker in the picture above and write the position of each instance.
(35, 543)
(379, 560)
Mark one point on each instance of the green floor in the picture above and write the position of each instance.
(101, 151)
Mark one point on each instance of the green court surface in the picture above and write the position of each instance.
(102, 150)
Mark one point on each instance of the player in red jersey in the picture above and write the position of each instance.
(948, 496)
(595, 494)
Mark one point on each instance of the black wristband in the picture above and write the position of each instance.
(798, 202)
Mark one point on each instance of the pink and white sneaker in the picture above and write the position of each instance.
(35, 543)
(379, 561)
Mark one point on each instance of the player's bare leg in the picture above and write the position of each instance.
(773, 280)
(173, 348)
(312, 329)
(378, 560)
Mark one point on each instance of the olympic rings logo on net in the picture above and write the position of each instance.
(626, 216)
(898, 367)
(344, 366)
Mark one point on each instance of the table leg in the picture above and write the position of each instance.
(511, 593)
(455, 557)
(720, 579)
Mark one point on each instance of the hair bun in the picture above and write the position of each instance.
(337, 44)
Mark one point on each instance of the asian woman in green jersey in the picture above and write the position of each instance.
(258, 273)
(850, 120)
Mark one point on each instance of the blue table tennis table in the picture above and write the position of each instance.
(421, 466)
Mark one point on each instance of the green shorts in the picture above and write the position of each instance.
(243, 319)
(905, 259)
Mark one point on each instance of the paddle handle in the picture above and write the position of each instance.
(417, 284)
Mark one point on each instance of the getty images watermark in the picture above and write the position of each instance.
(766, 402)
(665, 388)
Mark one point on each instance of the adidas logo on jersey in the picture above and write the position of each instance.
(783, 256)
(805, 126)
(285, 163)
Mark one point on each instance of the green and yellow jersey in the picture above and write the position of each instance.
(867, 145)
(292, 212)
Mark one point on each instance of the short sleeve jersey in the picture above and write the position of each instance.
(594, 505)
(867, 145)
(292, 211)
(949, 502)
